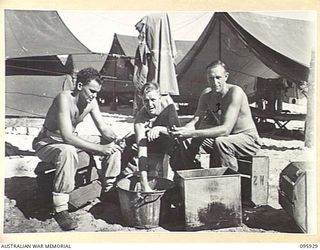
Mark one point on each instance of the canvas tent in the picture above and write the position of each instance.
(38, 65)
(252, 46)
(119, 62)
(81, 61)
(125, 46)
(34, 74)
(38, 33)
(118, 67)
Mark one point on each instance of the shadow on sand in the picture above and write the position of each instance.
(11, 150)
(28, 199)
(34, 204)
(269, 218)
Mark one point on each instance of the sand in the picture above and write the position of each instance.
(25, 210)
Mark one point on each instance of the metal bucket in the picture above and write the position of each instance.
(142, 209)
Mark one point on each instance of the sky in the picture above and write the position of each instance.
(95, 29)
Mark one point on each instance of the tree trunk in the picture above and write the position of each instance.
(310, 123)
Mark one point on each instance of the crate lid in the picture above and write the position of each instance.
(206, 173)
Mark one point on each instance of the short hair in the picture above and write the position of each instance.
(217, 63)
(149, 86)
(86, 75)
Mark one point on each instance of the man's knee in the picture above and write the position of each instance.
(221, 142)
(112, 164)
(116, 156)
(68, 153)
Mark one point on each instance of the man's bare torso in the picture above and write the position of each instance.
(76, 116)
(218, 107)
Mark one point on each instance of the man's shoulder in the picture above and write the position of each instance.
(63, 98)
(235, 89)
(63, 94)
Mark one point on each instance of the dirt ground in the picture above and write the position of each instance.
(26, 211)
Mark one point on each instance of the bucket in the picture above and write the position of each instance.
(142, 209)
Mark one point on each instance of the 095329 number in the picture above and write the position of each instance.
(308, 246)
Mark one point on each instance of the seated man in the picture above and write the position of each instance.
(222, 125)
(151, 127)
(57, 143)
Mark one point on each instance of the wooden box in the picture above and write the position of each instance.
(211, 198)
(254, 172)
(87, 184)
(297, 194)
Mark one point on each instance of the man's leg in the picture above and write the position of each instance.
(111, 168)
(65, 158)
(183, 157)
(225, 149)
(110, 165)
(129, 157)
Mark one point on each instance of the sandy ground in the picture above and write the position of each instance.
(26, 211)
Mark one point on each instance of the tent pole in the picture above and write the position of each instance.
(219, 39)
(309, 126)
(113, 106)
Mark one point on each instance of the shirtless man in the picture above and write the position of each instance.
(222, 125)
(58, 144)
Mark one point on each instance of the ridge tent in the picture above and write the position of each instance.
(34, 74)
(252, 46)
(118, 68)
(81, 61)
(125, 46)
(38, 33)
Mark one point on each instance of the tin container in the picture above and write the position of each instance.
(211, 198)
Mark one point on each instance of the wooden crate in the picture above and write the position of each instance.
(254, 172)
(87, 184)
(297, 194)
(211, 198)
(84, 194)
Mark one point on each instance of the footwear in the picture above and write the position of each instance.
(65, 221)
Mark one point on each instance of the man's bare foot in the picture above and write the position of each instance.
(145, 187)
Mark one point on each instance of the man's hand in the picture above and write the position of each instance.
(181, 132)
(154, 132)
(110, 148)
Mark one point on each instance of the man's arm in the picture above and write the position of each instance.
(200, 112)
(141, 139)
(229, 118)
(168, 118)
(102, 127)
(66, 130)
